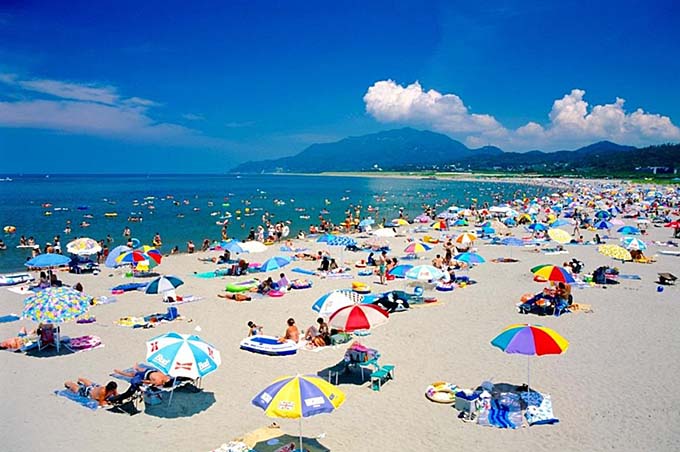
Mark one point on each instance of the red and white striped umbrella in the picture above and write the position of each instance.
(358, 317)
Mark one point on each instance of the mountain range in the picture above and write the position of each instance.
(409, 149)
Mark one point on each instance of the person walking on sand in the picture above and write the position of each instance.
(382, 266)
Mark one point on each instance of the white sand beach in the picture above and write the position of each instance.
(613, 389)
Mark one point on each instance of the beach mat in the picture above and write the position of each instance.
(21, 290)
(633, 277)
(185, 299)
(82, 401)
(303, 271)
(9, 318)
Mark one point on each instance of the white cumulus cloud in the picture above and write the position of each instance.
(571, 121)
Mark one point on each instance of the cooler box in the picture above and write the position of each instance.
(466, 401)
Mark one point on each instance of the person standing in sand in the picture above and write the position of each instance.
(382, 266)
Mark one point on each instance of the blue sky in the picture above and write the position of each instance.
(200, 86)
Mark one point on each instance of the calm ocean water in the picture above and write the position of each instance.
(183, 207)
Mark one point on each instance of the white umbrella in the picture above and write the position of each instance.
(253, 246)
(384, 232)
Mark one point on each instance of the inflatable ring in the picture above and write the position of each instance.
(360, 264)
(135, 243)
(359, 285)
(301, 284)
(444, 287)
(275, 293)
(269, 242)
(10, 229)
(441, 392)
(365, 273)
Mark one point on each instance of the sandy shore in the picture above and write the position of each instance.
(614, 389)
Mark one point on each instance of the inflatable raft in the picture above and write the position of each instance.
(14, 279)
(268, 345)
(241, 286)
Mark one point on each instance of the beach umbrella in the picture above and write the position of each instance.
(460, 222)
(629, 230)
(673, 224)
(469, 258)
(440, 225)
(55, 305)
(135, 257)
(424, 273)
(553, 273)
(297, 397)
(366, 222)
(422, 218)
(153, 253)
(615, 252)
(332, 301)
(602, 215)
(182, 355)
(400, 270)
(358, 317)
(446, 215)
(83, 247)
(417, 247)
(48, 260)
(530, 340)
(603, 224)
(341, 240)
(274, 263)
(253, 246)
(512, 241)
(560, 222)
(113, 255)
(633, 243)
(384, 232)
(537, 227)
(324, 238)
(559, 235)
(399, 222)
(163, 284)
(233, 246)
(465, 238)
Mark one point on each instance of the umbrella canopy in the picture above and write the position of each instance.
(465, 238)
(615, 251)
(384, 232)
(136, 257)
(469, 258)
(460, 222)
(299, 397)
(233, 246)
(399, 222)
(83, 246)
(163, 284)
(440, 225)
(424, 273)
(673, 224)
(400, 270)
(153, 253)
(182, 355)
(366, 222)
(530, 340)
(358, 317)
(422, 218)
(56, 305)
(253, 246)
(630, 230)
(324, 238)
(603, 224)
(536, 227)
(417, 247)
(341, 240)
(560, 222)
(111, 261)
(603, 214)
(512, 241)
(553, 273)
(633, 243)
(274, 263)
(333, 301)
(48, 260)
(559, 235)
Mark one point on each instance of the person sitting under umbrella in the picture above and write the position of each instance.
(86, 388)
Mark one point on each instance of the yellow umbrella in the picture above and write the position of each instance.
(615, 251)
(559, 235)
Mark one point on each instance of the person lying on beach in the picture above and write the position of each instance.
(292, 332)
(253, 329)
(234, 296)
(86, 388)
(305, 256)
(21, 339)
(141, 376)
(264, 287)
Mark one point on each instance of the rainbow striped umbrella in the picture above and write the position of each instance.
(417, 247)
(553, 273)
(296, 397)
(530, 340)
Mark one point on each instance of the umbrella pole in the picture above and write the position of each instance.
(301, 449)
(528, 377)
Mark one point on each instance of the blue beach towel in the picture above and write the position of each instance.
(9, 318)
(503, 413)
(130, 286)
(83, 401)
(303, 271)
(633, 277)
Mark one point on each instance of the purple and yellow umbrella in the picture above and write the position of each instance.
(417, 247)
(553, 273)
(530, 340)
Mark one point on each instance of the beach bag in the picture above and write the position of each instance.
(340, 338)
(172, 313)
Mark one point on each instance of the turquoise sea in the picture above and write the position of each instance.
(184, 207)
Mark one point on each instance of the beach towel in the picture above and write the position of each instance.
(633, 277)
(23, 290)
(103, 300)
(502, 412)
(130, 286)
(184, 299)
(83, 343)
(83, 401)
(303, 271)
(539, 409)
(133, 322)
(9, 318)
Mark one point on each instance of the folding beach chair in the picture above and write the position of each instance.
(667, 279)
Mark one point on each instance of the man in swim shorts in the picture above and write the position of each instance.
(86, 388)
(141, 376)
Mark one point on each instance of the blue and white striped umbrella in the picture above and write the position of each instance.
(632, 230)
(603, 224)
(537, 227)
(274, 263)
(512, 241)
(163, 284)
(633, 243)
(182, 355)
(341, 240)
(332, 301)
(400, 270)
